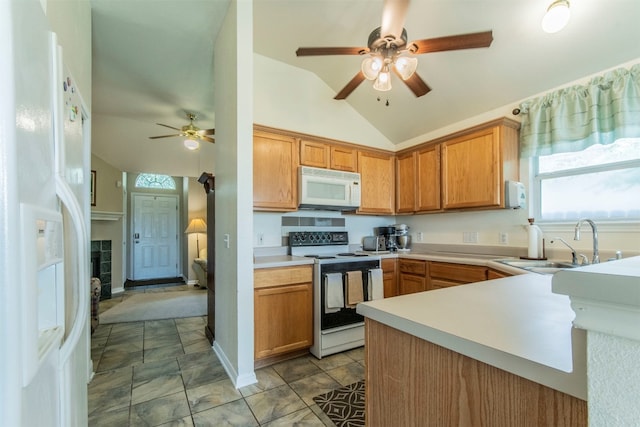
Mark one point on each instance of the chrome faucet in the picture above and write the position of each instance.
(576, 236)
(574, 258)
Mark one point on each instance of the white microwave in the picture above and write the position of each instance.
(328, 189)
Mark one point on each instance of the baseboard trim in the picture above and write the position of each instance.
(238, 381)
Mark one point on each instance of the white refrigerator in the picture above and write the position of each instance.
(44, 227)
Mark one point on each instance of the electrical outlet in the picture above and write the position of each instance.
(469, 237)
(503, 238)
(420, 236)
(260, 239)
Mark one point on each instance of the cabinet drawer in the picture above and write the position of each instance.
(457, 272)
(266, 277)
(388, 265)
(496, 274)
(413, 266)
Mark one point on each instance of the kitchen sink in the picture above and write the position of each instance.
(538, 266)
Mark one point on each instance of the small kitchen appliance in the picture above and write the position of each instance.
(389, 235)
(402, 237)
(374, 243)
(335, 329)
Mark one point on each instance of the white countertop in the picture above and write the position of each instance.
(280, 261)
(516, 324)
(621, 279)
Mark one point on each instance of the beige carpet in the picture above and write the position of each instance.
(157, 306)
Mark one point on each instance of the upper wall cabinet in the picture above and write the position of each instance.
(476, 165)
(428, 179)
(378, 186)
(275, 172)
(323, 155)
(406, 183)
(418, 180)
(466, 170)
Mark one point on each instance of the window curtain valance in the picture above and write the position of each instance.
(577, 117)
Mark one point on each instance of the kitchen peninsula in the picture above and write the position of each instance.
(500, 352)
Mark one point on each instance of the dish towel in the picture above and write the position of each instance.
(333, 292)
(355, 291)
(376, 284)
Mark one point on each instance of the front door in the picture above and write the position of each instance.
(155, 236)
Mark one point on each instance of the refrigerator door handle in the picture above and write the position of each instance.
(68, 198)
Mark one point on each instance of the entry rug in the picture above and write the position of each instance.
(345, 405)
(157, 306)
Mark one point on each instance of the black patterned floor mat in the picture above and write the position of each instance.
(345, 405)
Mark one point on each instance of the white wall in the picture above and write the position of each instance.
(233, 79)
(291, 98)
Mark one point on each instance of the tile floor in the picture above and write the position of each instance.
(164, 373)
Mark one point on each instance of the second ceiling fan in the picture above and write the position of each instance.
(388, 51)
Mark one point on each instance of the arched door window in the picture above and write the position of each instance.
(152, 180)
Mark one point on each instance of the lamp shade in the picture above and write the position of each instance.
(191, 143)
(406, 66)
(196, 225)
(383, 82)
(371, 67)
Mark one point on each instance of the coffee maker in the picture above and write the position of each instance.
(389, 234)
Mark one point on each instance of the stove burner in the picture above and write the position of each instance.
(346, 254)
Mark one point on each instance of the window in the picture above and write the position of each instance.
(600, 182)
(152, 180)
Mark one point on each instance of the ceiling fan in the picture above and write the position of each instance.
(388, 51)
(192, 133)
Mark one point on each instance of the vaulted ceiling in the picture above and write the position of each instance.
(153, 60)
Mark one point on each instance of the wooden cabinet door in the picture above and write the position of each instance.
(283, 319)
(314, 154)
(343, 159)
(275, 172)
(443, 274)
(406, 183)
(389, 277)
(410, 283)
(471, 168)
(428, 179)
(378, 189)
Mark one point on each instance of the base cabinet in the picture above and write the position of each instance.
(496, 274)
(389, 277)
(283, 310)
(444, 275)
(412, 277)
(412, 382)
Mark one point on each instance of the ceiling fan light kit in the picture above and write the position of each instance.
(383, 81)
(556, 17)
(388, 51)
(192, 133)
(191, 144)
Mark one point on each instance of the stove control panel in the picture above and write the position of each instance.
(318, 238)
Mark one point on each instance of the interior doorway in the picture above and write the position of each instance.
(154, 232)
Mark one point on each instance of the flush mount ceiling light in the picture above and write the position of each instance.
(557, 16)
(191, 143)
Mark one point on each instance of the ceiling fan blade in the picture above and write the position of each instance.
(167, 126)
(206, 132)
(164, 136)
(416, 84)
(461, 41)
(394, 13)
(351, 86)
(315, 51)
(206, 138)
